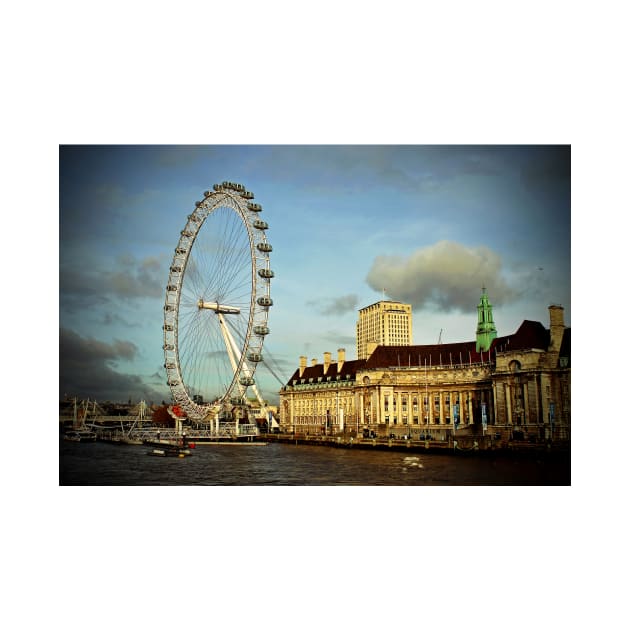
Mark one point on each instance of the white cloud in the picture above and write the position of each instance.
(446, 275)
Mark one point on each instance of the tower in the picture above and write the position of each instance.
(486, 330)
(385, 323)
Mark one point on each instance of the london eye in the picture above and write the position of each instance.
(216, 307)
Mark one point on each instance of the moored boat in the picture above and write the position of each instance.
(80, 435)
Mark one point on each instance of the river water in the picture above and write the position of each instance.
(106, 464)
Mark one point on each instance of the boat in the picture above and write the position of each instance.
(130, 440)
(80, 435)
(169, 450)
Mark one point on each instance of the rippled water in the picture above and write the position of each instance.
(282, 464)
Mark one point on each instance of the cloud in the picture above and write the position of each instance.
(130, 279)
(112, 319)
(414, 169)
(336, 306)
(552, 166)
(87, 369)
(447, 276)
(339, 340)
(182, 156)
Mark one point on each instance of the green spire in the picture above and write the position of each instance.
(486, 330)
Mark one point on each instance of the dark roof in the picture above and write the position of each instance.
(349, 368)
(565, 346)
(530, 335)
(437, 354)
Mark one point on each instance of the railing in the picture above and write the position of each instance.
(153, 433)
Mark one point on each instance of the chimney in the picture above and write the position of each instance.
(341, 359)
(313, 362)
(302, 365)
(326, 361)
(556, 327)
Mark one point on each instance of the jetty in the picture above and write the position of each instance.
(465, 444)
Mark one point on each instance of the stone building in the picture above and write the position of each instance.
(512, 387)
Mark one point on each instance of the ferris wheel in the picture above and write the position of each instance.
(217, 304)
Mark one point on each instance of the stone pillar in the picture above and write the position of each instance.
(361, 408)
(508, 404)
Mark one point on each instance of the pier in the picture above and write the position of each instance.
(465, 444)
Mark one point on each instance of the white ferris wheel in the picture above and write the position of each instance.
(217, 305)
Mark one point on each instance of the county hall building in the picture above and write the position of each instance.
(512, 387)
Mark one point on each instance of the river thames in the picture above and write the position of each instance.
(105, 464)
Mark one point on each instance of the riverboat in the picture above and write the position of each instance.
(80, 436)
(167, 450)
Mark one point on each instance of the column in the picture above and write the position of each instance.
(361, 409)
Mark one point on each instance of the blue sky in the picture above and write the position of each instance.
(429, 225)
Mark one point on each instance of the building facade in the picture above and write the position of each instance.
(385, 323)
(517, 388)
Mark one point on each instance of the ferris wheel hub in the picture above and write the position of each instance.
(218, 308)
